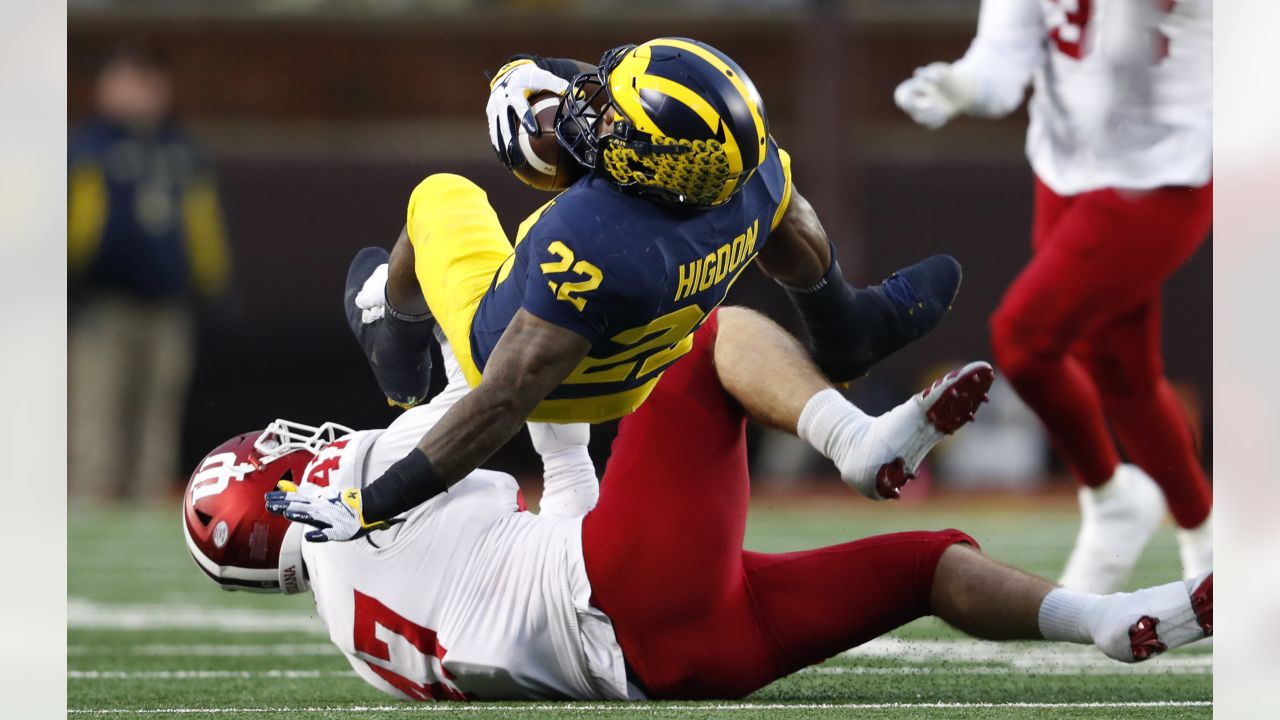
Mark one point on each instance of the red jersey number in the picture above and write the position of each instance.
(434, 683)
(325, 463)
(1071, 22)
(1069, 27)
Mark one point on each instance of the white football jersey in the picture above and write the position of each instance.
(1123, 89)
(471, 597)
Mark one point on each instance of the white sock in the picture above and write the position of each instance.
(1065, 616)
(832, 425)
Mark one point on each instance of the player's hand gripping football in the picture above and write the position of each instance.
(335, 513)
(934, 94)
(508, 105)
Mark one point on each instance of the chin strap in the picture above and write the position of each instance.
(292, 571)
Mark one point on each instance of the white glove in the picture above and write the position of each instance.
(508, 104)
(935, 94)
(372, 298)
(336, 514)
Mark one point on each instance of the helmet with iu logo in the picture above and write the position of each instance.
(230, 534)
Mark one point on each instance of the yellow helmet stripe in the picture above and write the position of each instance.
(632, 67)
(699, 105)
(719, 64)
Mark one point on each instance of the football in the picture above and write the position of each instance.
(548, 166)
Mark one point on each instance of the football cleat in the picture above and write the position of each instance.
(398, 350)
(904, 308)
(900, 439)
(1137, 626)
(1117, 520)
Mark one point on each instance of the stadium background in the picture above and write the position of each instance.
(321, 117)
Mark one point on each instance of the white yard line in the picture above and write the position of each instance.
(954, 656)
(207, 674)
(227, 650)
(634, 708)
(82, 613)
(1034, 658)
(1113, 669)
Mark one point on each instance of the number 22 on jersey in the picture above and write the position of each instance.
(571, 290)
(649, 348)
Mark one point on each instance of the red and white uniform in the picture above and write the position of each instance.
(1121, 144)
(1120, 100)
(471, 597)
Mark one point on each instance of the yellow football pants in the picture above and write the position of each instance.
(458, 245)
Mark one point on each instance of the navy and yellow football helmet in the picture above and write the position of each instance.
(690, 127)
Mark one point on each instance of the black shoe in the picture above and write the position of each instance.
(892, 315)
(398, 350)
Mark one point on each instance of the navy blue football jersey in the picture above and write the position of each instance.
(633, 276)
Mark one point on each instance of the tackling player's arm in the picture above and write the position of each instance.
(530, 360)
(566, 305)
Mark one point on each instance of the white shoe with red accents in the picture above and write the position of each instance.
(897, 441)
(1132, 627)
(1116, 521)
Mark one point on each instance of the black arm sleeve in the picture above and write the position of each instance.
(408, 483)
(563, 68)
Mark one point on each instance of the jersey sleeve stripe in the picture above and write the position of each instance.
(778, 214)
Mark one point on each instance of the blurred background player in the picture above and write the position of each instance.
(144, 239)
(1120, 142)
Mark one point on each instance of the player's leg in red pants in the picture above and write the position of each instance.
(1078, 333)
(696, 616)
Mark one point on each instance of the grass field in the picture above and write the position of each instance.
(148, 636)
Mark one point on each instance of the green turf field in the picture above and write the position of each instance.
(148, 636)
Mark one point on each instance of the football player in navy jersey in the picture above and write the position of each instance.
(683, 187)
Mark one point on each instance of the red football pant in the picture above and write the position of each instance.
(1078, 333)
(696, 615)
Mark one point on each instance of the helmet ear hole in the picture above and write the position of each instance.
(204, 518)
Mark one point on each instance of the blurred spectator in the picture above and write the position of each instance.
(144, 238)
